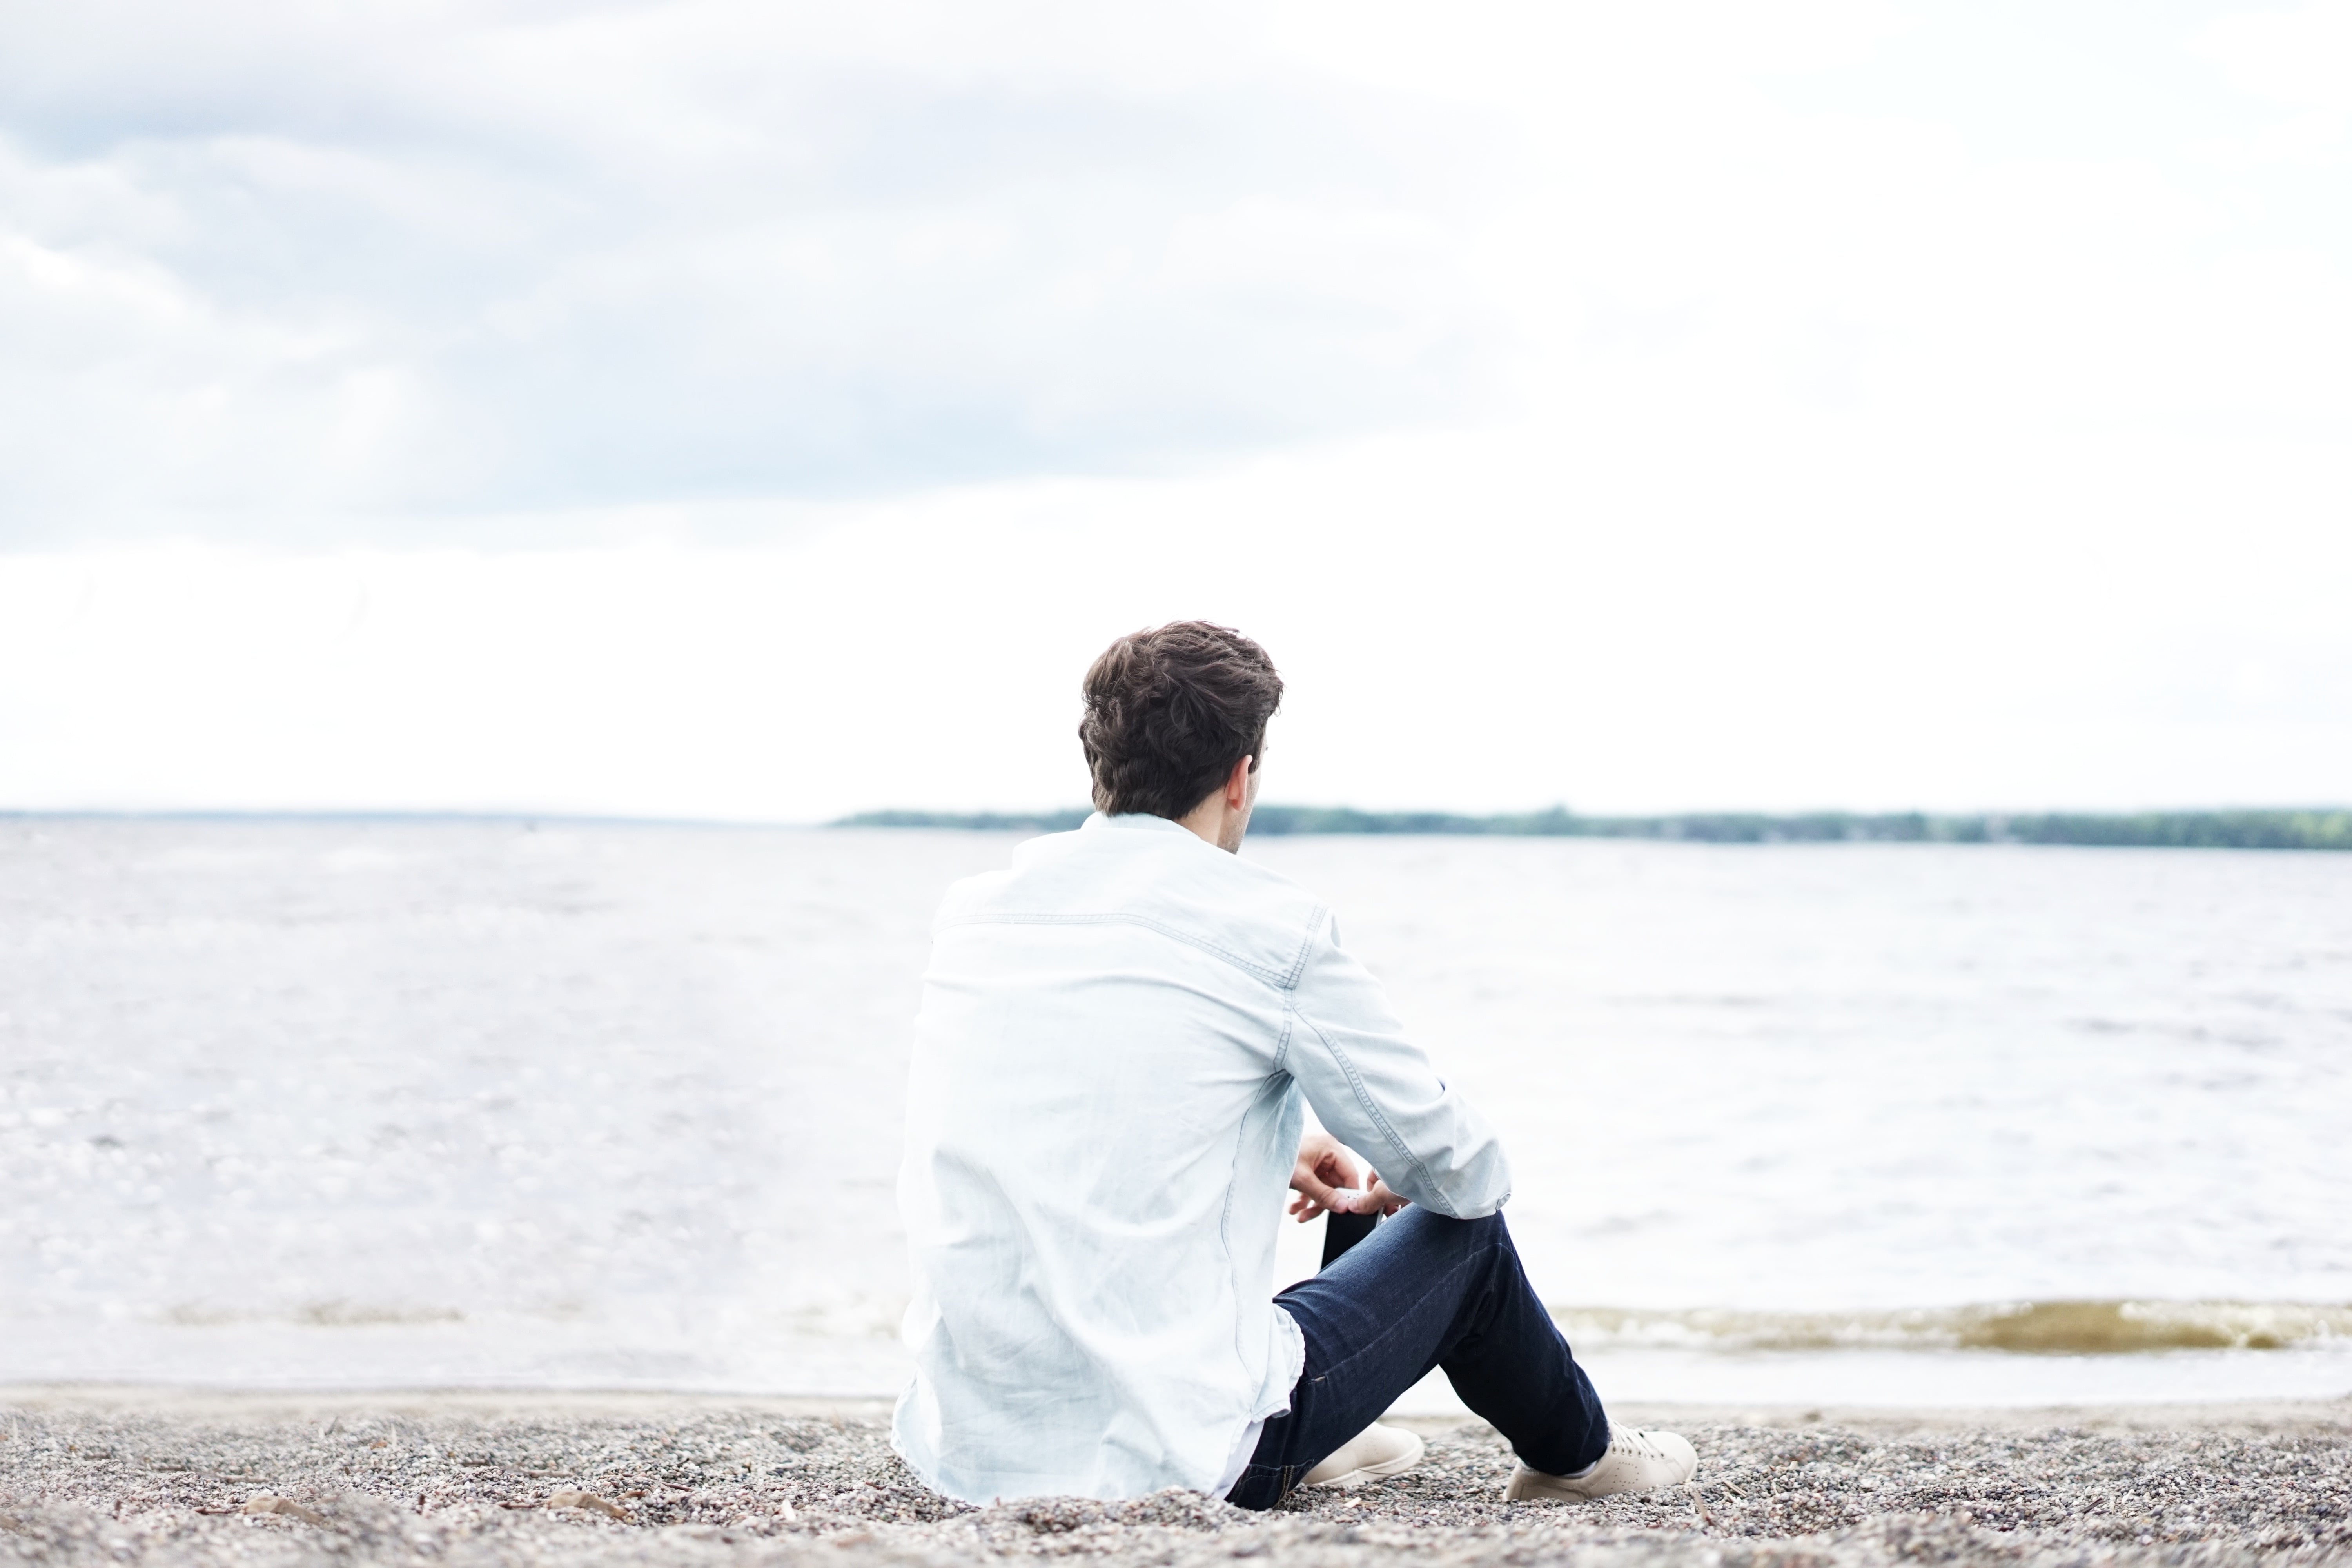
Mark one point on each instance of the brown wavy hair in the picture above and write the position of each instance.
(1170, 711)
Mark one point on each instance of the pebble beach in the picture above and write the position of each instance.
(179, 1479)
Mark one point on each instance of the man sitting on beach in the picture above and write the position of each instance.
(1116, 1037)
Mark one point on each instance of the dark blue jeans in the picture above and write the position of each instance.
(1424, 1291)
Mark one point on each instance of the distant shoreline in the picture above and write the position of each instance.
(2322, 829)
(2319, 829)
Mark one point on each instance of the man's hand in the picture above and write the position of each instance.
(1325, 1169)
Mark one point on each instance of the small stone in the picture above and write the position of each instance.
(589, 1501)
(285, 1506)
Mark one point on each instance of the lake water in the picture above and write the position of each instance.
(404, 1103)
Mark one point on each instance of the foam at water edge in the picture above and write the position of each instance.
(2059, 1328)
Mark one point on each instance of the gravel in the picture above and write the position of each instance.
(171, 1480)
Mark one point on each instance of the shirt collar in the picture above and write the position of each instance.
(1134, 822)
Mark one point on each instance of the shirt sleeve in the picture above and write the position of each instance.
(1374, 1091)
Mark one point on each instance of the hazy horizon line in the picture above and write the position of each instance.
(2245, 828)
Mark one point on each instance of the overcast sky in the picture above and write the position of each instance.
(764, 410)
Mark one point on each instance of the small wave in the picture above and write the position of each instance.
(335, 1314)
(2044, 1328)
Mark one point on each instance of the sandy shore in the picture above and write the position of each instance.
(170, 1478)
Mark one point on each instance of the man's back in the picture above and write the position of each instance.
(1102, 1117)
(1115, 1037)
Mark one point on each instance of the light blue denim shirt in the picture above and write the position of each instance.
(1103, 1111)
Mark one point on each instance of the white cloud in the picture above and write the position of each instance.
(451, 261)
(1477, 643)
(2299, 58)
(1827, 404)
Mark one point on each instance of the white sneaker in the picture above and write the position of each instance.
(1637, 1461)
(1374, 1453)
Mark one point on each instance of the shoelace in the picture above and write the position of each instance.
(1635, 1441)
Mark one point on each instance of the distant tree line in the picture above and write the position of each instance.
(2165, 829)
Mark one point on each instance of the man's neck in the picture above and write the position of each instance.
(1222, 817)
(1215, 822)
